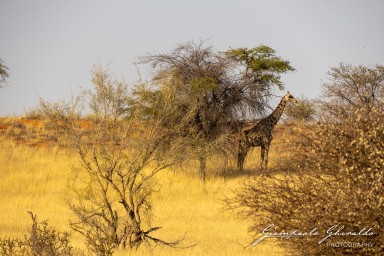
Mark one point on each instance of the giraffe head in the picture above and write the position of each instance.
(289, 98)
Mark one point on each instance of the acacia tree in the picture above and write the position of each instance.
(212, 91)
(3, 73)
(119, 158)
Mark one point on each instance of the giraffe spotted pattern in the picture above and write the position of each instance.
(260, 135)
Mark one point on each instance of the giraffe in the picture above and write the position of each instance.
(260, 135)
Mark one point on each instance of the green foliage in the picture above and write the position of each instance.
(261, 65)
(200, 86)
(209, 84)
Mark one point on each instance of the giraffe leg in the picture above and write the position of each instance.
(241, 158)
(266, 156)
(262, 156)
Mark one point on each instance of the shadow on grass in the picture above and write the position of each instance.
(233, 173)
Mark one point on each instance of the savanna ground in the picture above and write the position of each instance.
(36, 173)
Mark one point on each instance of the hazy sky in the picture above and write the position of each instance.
(50, 46)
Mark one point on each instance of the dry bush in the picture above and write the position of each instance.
(34, 113)
(338, 186)
(352, 87)
(303, 111)
(119, 159)
(41, 240)
(340, 182)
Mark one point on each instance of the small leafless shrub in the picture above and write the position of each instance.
(303, 111)
(41, 240)
(34, 113)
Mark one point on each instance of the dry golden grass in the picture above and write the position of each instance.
(32, 180)
(36, 179)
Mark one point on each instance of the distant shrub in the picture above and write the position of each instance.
(303, 111)
(352, 87)
(34, 113)
(41, 240)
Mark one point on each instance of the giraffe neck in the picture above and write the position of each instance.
(274, 117)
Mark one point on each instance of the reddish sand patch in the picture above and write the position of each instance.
(32, 122)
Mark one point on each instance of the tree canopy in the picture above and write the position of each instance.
(216, 88)
(206, 93)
